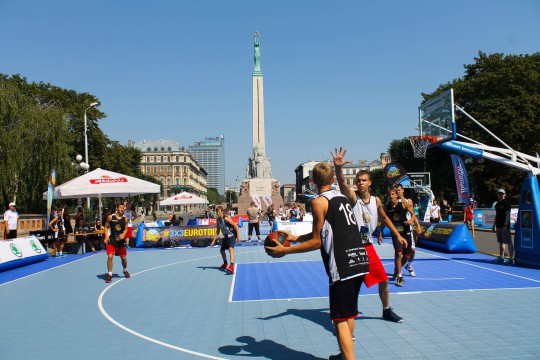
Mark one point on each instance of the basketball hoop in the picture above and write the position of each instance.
(420, 144)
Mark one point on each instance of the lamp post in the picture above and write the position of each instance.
(87, 165)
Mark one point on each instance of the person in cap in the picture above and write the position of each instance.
(502, 228)
(11, 221)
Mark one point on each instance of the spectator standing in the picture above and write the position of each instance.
(67, 220)
(435, 212)
(469, 217)
(11, 221)
(57, 225)
(130, 216)
(98, 227)
(142, 216)
(502, 228)
(253, 213)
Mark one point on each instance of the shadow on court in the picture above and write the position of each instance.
(267, 349)
(104, 276)
(209, 267)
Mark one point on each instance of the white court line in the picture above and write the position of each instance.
(144, 337)
(485, 268)
(52, 268)
(232, 284)
(394, 293)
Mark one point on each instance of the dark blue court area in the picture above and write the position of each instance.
(307, 279)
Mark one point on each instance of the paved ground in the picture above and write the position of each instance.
(179, 305)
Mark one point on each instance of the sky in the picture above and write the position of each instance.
(336, 73)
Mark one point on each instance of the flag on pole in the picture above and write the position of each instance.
(257, 200)
(462, 180)
(267, 200)
(50, 195)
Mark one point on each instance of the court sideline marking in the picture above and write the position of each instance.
(147, 338)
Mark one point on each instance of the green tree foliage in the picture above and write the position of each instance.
(378, 183)
(501, 92)
(41, 128)
(214, 197)
(231, 196)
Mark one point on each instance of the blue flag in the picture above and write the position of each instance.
(462, 181)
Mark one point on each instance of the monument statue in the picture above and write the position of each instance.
(259, 181)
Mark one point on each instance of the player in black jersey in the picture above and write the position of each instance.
(397, 212)
(115, 233)
(335, 233)
(230, 232)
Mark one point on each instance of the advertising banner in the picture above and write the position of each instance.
(20, 252)
(159, 236)
(396, 174)
(207, 221)
(448, 237)
(295, 228)
(257, 200)
(267, 199)
(462, 180)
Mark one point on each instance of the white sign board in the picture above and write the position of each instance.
(21, 251)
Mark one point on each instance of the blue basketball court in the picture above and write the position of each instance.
(179, 305)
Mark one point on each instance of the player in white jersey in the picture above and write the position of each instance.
(367, 210)
(335, 233)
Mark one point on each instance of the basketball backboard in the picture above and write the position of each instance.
(420, 178)
(437, 118)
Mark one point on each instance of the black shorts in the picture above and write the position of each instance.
(399, 247)
(252, 226)
(344, 298)
(228, 243)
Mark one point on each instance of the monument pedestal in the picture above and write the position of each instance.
(264, 189)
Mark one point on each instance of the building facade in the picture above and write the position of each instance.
(304, 179)
(210, 153)
(175, 167)
(288, 192)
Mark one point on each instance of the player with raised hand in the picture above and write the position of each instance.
(368, 209)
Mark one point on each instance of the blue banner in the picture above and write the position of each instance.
(462, 181)
(462, 149)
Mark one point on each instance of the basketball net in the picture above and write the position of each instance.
(420, 144)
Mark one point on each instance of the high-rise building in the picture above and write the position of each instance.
(210, 153)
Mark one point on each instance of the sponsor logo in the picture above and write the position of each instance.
(106, 179)
(15, 250)
(35, 247)
(183, 197)
(393, 172)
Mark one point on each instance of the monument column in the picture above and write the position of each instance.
(258, 185)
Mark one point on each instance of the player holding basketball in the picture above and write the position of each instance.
(334, 232)
(230, 236)
(368, 209)
(115, 235)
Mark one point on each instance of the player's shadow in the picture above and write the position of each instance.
(104, 276)
(266, 349)
(320, 317)
(210, 267)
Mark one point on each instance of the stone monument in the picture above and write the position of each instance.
(258, 186)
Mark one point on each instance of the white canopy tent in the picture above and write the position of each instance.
(103, 183)
(183, 198)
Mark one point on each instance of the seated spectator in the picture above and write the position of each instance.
(99, 229)
(80, 230)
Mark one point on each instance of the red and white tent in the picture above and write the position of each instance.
(183, 198)
(103, 183)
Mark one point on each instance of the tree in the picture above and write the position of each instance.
(501, 92)
(42, 128)
(214, 197)
(231, 196)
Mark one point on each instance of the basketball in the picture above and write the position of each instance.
(278, 235)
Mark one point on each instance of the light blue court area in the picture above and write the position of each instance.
(178, 304)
